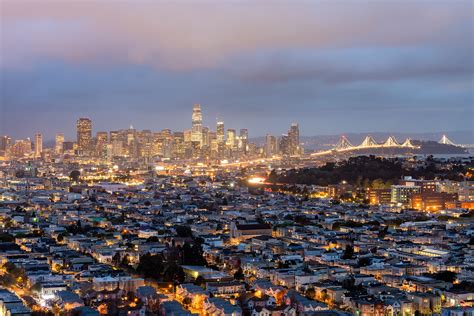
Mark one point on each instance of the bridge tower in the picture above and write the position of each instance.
(391, 142)
(407, 143)
(368, 142)
(343, 143)
(446, 141)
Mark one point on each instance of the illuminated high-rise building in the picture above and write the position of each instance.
(187, 135)
(213, 145)
(114, 135)
(294, 139)
(5, 144)
(196, 131)
(58, 146)
(38, 145)
(243, 139)
(205, 136)
(284, 145)
(101, 144)
(5, 141)
(270, 145)
(178, 148)
(220, 132)
(231, 141)
(84, 136)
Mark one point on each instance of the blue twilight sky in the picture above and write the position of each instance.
(332, 66)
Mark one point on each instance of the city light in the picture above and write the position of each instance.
(214, 158)
(256, 180)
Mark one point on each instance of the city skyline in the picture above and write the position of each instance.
(237, 158)
(369, 74)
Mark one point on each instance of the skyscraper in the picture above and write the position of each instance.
(196, 131)
(270, 145)
(5, 144)
(243, 139)
(294, 139)
(38, 145)
(84, 136)
(205, 136)
(284, 145)
(231, 138)
(220, 132)
(59, 141)
(101, 144)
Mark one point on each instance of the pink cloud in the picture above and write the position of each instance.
(187, 35)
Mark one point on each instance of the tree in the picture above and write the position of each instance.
(20, 173)
(364, 262)
(324, 295)
(378, 184)
(200, 281)
(125, 261)
(173, 273)
(446, 276)
(187, 301)
(192, 255)
(7, 280)
(5, 237)
(151, 266)
(348, 252)
(36, 288)
(383, 232)
(116, 259)
(60, 237)
(184, 231)
(75, 175)
(152, 239)
(239, 274)
(310, 293)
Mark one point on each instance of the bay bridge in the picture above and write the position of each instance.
(344, 145)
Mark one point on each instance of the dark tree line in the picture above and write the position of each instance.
(166, 267)
(365, 171)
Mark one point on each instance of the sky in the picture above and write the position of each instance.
(332, 66)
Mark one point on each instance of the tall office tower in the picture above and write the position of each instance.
(294, 139)
(205, 136)
(178, 148)
(167, 141)
(213, 146)
(84, 136)
(285, 145)
(231, 138)
(5, 144)
(101, 144)
(187, 135)
(220, 132)
(114, 135)
(38, 145)
(196, 131)
(243, 139)
(58, 146)
(145, 141)
(270, 145)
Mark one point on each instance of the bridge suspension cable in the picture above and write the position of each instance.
(391, 142)
(343, 143)
(368, 142)
(446, 141)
